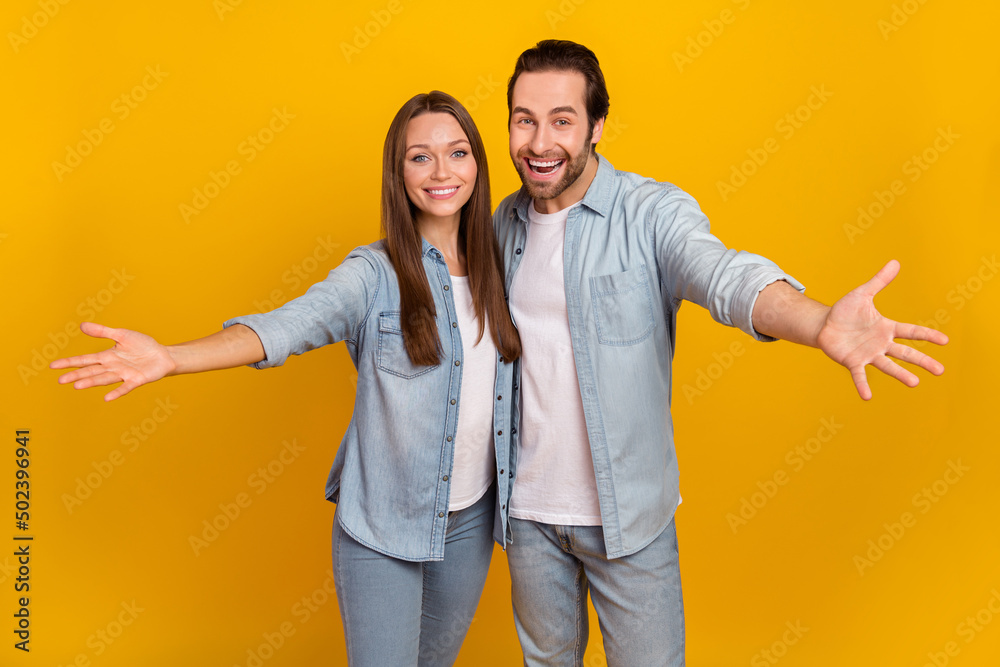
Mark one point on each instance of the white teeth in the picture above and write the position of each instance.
(539, 163)
(446, 191)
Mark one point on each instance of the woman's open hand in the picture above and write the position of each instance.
(136, 359)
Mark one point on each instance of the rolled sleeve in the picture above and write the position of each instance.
(274, 339)
(330, 311)
(765, 273)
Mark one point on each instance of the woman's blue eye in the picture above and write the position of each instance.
(420, 158)
(460, 153)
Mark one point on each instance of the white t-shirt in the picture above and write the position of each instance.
(555, 480)
(475, 461)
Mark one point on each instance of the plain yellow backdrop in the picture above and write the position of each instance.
(167, 166)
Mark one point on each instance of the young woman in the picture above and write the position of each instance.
(422, 476)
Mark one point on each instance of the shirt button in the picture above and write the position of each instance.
(454, 325)
(440, 515)
(501, 471)
(499, 398)
(446, 288)
(453, 401)
(458, 363)
(449, 438)
(517, 252)
(503, 507)
(499, 432)
(445, 478)
(510, 474)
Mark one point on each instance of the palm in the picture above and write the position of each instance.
(856, 335)
(136, 359)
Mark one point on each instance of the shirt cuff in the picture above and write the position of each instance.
(275, 343)
(744, 318)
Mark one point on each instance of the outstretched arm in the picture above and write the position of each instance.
(851, 332)
(137, 359)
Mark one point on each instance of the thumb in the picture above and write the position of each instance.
(100, 331)
(884, 276)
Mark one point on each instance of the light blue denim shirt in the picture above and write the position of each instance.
(391, 475)
(634, 250)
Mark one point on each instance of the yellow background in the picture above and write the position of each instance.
(264, 237)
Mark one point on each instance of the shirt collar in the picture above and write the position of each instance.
(427, 250)
(597, 198)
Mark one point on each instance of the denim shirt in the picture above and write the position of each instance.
(634, 250)
(391, 475)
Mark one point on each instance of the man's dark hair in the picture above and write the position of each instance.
(560, 55)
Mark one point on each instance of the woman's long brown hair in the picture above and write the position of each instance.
(404, 245)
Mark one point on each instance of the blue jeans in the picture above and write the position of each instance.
(398, 612)
(637, 597)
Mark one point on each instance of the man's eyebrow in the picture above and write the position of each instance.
(450, 143)
(553, 112)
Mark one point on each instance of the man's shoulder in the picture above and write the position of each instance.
(618, 191)
(509, 202)
(638, 197)
(503, 216)
(639, 187)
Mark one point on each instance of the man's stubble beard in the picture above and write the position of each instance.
(572, 170)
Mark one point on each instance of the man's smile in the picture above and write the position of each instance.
(544, 167)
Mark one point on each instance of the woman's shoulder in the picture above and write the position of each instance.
(374, 254)
(374, 251)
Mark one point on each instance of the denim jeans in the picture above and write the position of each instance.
(637, 597)
(400, 613)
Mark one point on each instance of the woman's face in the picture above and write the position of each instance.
(439, 171)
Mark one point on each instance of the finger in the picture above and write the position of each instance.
(100, 331)
(861, 383)
(75, 362)
(120, 391)
(81, 373)
(892, 369)
(99, 380)
(884, 276)
(917, 332)
(915, 357)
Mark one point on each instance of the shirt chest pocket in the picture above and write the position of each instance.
(392, 356)
(623, 307)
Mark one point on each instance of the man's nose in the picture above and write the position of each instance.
(541, 140)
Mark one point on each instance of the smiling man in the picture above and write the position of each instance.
(598, 262)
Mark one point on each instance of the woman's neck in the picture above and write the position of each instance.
(442, 233)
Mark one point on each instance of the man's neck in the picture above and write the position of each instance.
(574, 193)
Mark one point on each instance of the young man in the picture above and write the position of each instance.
(598, 262)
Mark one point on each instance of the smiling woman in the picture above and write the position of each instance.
(417, 481)
(432, 147)
(439, 167)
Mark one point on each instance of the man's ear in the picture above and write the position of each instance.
(598, 130)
